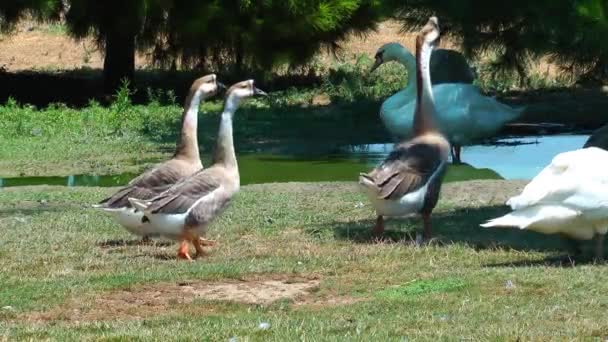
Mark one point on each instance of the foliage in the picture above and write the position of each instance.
(571, 31)
(261, 34)
(11, 11)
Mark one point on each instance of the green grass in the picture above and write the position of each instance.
(61, 281)
(59, 140)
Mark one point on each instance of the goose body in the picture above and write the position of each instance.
(409, 180)
(184, 211)
(569, 197)
(464, 115)
(185, 162)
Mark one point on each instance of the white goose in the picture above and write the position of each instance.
(409, 180)
(184, 211)
(570, 197)
(463, 113)
(185, 162)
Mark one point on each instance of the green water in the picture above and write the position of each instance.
(509, 158)
(269, 168)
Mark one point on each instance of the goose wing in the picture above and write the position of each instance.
(408, 168)
(146, 185)
(183, 195)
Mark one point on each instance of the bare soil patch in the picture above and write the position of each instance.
(144, 301)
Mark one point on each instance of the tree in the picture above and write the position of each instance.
(260, 34)
(116, 24)
(518, 30)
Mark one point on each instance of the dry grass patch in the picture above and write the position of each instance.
(146, 301)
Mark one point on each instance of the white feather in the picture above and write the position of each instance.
(172, 225)
(569, 196)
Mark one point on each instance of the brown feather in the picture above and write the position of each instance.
(179, 198)
(151, 183)
(410, 166)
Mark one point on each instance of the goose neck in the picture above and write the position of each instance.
(187, 146)
(425, 108)
(224, 151)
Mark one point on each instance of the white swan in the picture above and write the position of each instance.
(570, 196)
(463, 113)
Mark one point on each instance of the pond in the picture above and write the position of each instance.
(507, 158)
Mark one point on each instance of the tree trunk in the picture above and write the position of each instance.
(119, 61)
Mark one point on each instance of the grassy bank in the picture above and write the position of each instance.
(138, 128)
(70, 273)
(124, 136)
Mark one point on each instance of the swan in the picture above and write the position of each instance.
(184, 211)
(185, 162)
(570, 197)
(463, 113)
(409, 180)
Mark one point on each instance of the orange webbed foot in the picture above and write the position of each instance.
(183, 251)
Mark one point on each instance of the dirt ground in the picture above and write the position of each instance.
(45, 47)
(142, 301)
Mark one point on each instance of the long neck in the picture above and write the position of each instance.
(187, 146)
(224, 150)
(405, 58)
(425, 107)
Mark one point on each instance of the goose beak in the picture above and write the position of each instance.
(257, 91)
(377, 63)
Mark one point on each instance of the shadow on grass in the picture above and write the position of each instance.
(461, 226)
(135, 242)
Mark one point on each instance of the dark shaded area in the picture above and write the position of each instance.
(137, 242)
(76, 180)
(76, 88)
(575, 108)
(461, 226)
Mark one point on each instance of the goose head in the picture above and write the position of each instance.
(430, 33)
(389, 52)
(206, 86)
(242, 90)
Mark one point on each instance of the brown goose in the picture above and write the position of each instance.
(409, 179)
(185, 162)
(184, 211)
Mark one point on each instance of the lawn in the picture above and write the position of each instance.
(294, 261)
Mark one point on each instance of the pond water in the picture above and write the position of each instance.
(508, 158)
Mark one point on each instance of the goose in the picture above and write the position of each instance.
(184, 162)
(409, 180)
(569, 197)
(463, 113)
(184, 211)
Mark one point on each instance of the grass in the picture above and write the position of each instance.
(60, 140)
(60, 281)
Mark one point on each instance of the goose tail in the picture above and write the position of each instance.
(514, 219)
(139, 204)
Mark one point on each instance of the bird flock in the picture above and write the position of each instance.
(179, 198)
